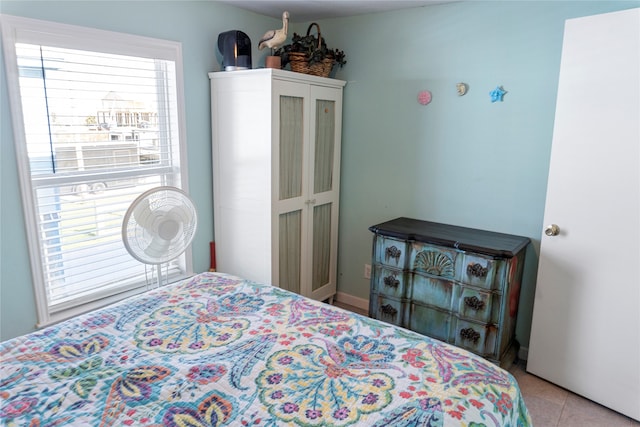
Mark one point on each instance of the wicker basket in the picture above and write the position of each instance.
(300, 61)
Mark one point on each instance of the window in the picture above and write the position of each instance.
(98, 120)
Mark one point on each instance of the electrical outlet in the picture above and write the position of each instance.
(367, 271)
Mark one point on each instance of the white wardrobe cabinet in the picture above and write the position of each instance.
(276, 177)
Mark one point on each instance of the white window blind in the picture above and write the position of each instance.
(98, 128)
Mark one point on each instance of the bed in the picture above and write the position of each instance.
(217, 350)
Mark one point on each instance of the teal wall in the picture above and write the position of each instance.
(459, 160)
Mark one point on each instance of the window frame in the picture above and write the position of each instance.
(26, 30)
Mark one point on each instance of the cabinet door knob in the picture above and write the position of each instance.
(388, 310)
(474, 302)
(552, 230)
(477, 270)
(391, 281)
(392, 252)
(470, 334)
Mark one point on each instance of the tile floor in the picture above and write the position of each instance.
(550, 405)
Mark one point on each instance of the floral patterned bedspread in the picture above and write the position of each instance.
(218, 350)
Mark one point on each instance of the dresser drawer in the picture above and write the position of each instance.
(387, 309)
(430, 321)
(434, 260)
(390, 251)
(477, 337)
(430, 291)
(389, 282)
(477, 305)
(481, 271)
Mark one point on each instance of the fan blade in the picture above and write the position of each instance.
(187, 219)
(157, 248)
(180, 213)
(143, 214)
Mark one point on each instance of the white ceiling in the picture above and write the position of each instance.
(310, 10)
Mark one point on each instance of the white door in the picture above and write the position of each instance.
(585, 334)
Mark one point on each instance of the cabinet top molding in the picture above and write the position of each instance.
(279, 74)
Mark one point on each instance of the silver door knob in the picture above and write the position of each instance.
(552, 230)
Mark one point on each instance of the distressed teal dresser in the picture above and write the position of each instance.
(459, 285)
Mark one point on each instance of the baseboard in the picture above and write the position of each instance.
(361, 303)
(523, 353)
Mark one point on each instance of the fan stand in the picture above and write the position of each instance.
(158, 278)
(155, 279)
(167, 230)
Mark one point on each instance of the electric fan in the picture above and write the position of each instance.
(159, 226)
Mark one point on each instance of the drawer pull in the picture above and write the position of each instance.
(470, 334)
(477, 270)
(391, 282)
(392, 252)
(474, 302)
(388, 310)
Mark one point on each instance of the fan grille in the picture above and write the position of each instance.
(159, 225)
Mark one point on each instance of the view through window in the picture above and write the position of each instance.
(99, 129)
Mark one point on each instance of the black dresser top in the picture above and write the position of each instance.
(463, 238)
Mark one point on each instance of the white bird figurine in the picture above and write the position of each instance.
(274, 38)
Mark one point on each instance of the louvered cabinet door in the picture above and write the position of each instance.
(307, 135)
(291, 103)
(324, 186)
